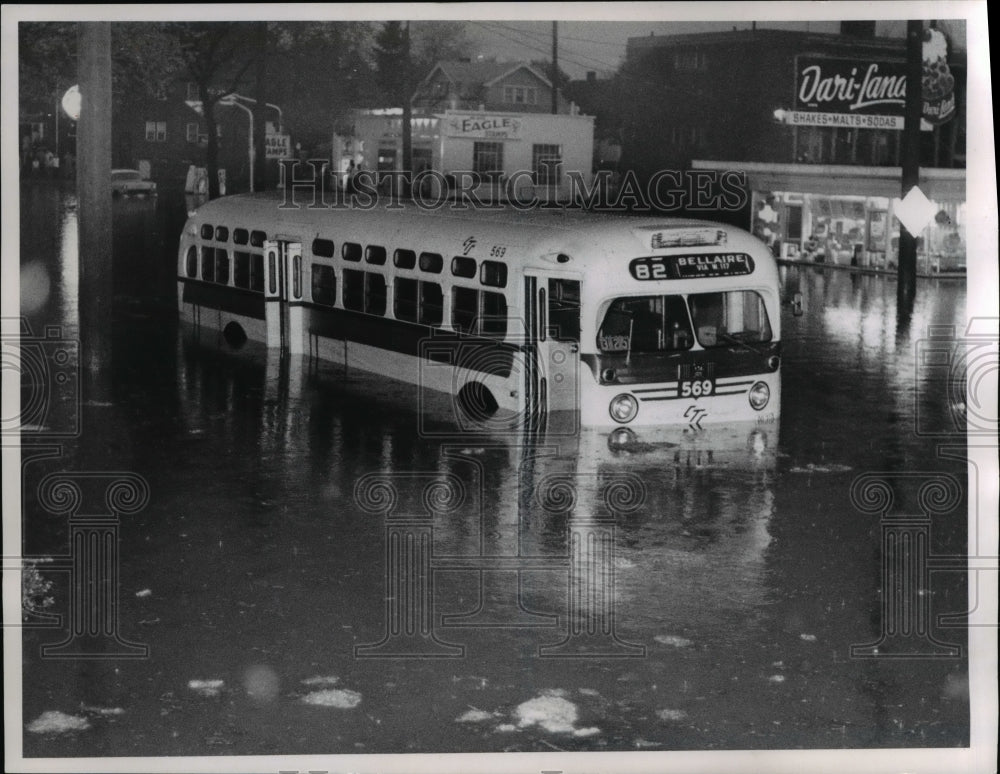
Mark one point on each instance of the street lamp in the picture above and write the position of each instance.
(266, 104)
(229, 101)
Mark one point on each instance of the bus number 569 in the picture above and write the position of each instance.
(697, 389)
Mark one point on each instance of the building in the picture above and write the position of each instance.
(164, 135)
(484, 126)
(814, 123)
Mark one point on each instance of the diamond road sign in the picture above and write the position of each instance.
(915, 211)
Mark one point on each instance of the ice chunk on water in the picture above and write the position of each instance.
(673, 640)
(206, 687)
(341, 698)
(671, 714)
(553, 713)
(474, 716)
(55, 722)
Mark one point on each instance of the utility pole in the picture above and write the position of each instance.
(555, 67)
(93, 185)
(907, 268)
(407, 113)
(260, 148)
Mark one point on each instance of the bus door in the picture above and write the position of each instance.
(552, 312)
(283, 295)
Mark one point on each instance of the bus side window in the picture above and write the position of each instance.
(431, 303)
(564, 308)
(464, 309)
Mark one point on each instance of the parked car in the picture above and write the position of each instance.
(129, 182)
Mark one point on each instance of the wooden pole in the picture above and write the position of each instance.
(910, 158)
(93, 184)
(555, 67)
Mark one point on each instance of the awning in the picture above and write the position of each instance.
(939, 185)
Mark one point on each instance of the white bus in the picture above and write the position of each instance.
(630, 323)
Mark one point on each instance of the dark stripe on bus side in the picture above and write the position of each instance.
(248, 303)
(476, 353)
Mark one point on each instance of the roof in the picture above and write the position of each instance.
(484, 72)
(537, 232)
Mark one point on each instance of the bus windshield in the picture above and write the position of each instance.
(675, 323)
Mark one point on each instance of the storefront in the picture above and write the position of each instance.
(531, 153)
(846, 214)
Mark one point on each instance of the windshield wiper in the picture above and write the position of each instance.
(739, 342)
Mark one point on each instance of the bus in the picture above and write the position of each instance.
(631, 324)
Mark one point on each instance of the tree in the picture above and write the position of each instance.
(217, 56)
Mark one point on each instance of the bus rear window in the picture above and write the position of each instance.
(733, 317)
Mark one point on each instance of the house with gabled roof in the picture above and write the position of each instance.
(487, 85)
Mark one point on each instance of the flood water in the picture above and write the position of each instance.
(577, 598)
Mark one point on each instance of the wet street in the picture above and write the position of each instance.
(319, 568)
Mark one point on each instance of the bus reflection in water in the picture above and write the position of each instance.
(645, 330)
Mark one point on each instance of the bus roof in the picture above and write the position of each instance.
(535, 232)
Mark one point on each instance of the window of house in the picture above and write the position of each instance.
(193, 92)
(690, 60)
(156, 131)
(191, 132)
(545, 163)
(487, 158)
(520, 95)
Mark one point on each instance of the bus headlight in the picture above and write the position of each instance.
(623, 408)
(760, 394)
(621, 438)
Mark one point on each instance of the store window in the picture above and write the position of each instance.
(487, 159)
(546, 161)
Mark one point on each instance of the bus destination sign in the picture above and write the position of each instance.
(656, 267)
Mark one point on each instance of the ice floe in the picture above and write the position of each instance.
(552, 713)
(55, 722)
(673, 640)
(206, 687)
(671, 714)
(475, 716)
(341, 698)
